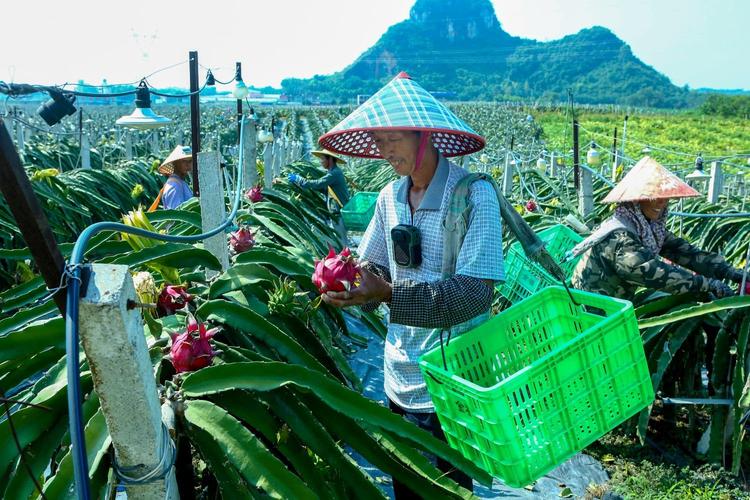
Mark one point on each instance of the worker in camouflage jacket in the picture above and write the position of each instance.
(634, 248)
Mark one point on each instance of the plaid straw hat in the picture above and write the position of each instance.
(401, 105)
(177, 154)
(649, 180)
(320, 153)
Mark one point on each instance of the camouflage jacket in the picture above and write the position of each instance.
(619, 264)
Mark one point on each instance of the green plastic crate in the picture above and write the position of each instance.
(523, 277)
(539, 382)
(359, 210)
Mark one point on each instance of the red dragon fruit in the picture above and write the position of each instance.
(191, 350)
(254, 194)
(531, 206)
(172, 298)
(241, 240)
(335, 273)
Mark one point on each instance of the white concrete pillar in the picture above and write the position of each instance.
(278, 157)
(507, 176)
(586, 193)
(20, 138)
(213, 209)
(268, 165)
(716, 183)
(115, 345)
(85, 151)
(128, 145)
(155, 149)
(249, 152)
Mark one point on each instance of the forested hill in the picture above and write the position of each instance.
(459, 46)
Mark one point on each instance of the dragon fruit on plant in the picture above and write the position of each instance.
(191, 349)
(241, 240)
(531, 206)
(172, 298)
(336, 272)
(254, 194)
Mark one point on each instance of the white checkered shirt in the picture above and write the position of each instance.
(481, 256)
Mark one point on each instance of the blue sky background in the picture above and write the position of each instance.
(696, 42)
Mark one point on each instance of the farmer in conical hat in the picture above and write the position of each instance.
(624, 253)
(403, 245)
(333, 184)
(176, 167)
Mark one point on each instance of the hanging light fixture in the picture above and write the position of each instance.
(142, 117)
(593, 159)
(240, 89)
(210, 79)
(698, 174)
(58, 107)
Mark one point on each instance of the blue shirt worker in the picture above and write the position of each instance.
(177, 166)
(333, 184)
(416, 134)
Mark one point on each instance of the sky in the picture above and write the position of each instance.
(702, 43)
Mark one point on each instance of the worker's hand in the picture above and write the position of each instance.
(720, 289)
(372, 288)
(294, 178)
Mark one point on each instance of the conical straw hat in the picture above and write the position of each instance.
(323, 152)
(401, 105)
(648, 180)
(178, 153)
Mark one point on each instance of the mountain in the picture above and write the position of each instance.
(459, 47)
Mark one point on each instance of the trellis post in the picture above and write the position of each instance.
(213, 209)
(268, 165)
(507, 176)
(715, 183)
(111, 331)
(250, 146)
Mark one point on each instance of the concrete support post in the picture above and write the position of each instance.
(155, 147)
(278, 157)
(716, 182)
(20, 138)
(128, 145)
(213, 209)
(555, 168)
(507, 176)
(250, 148)
(113, 339)
(85, 151)
(268, 165)
(586, 193)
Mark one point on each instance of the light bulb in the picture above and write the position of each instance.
(240, 90)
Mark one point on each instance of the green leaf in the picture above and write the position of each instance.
(177, 255)
(245, 452)
(230, 482)
(237, 277)
(26, 316)
(97, 443)
(267, 376)
(246, 320)
(699, 310)
(33, 339)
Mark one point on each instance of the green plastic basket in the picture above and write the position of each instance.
(523, 277)
(539, 382)
(359, 210)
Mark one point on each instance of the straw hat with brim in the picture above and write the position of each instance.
(648, 180)
(401, 105)
(177, 154)
(320, 153)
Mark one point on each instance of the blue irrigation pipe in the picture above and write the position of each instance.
(77, 436)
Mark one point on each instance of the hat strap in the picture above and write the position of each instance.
(424, 137)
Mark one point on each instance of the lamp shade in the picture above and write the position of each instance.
(142, 117)
(240, 90)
